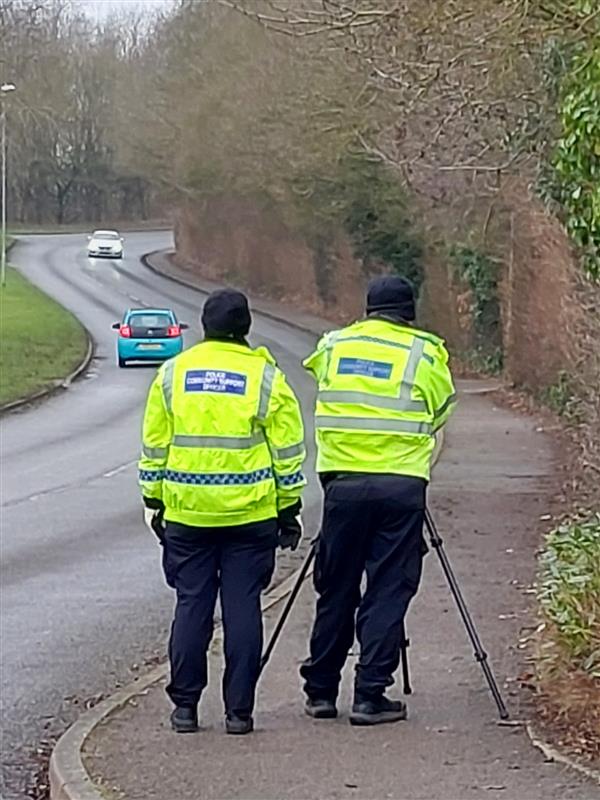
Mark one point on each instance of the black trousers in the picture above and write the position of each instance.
(237, 563)
(372, 524)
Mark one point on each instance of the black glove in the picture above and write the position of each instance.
(290, 527)
(154, 516)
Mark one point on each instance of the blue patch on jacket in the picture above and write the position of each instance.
(216, 381)
(363, 366)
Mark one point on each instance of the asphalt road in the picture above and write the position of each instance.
(82, 595)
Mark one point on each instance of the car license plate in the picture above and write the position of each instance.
(150, 346)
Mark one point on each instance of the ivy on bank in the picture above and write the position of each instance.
(481, 275)
(576, 159)
(569, 595)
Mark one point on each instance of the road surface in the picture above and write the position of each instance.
(83, 599)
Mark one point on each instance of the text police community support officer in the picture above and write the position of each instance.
(384, 389)
(223, 448)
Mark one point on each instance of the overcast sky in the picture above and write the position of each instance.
(102, 8)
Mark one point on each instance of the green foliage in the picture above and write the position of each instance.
(569, 591)
(576, 160)
(377, 220)
(480, 273)
(488, 362)
(361, 197)
(560, 397)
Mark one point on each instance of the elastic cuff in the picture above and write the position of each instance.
(291, 510)
(153, 502)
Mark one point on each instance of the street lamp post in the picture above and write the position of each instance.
(4, 90)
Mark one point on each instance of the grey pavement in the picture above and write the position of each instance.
(82, 596)
(495, 479)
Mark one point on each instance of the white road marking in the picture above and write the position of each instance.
(66, 486)
(116, 471)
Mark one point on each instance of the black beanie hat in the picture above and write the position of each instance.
(226, 313)
(392, 295)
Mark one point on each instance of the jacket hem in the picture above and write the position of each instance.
(201, 519)
(408, 471)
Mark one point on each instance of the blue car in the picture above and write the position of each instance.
(148, 334)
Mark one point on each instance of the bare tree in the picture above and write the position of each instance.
(64, 160)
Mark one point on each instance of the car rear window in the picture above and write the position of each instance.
(150, 321)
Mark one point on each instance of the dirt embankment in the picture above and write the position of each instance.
(237, 241)
(551, 331)
(540, 309)
(544, 322)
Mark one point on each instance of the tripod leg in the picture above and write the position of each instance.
(404, 645)
(288, 607)
(480, 654)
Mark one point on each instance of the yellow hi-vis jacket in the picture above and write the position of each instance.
(384, 390)
(223, 439)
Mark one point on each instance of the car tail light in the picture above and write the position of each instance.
(125, 331)
(173, 330)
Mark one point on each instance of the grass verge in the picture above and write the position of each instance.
(568, 658)
(40, 342)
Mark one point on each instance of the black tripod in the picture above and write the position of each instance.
(288, 606)
(480, 654)
(438, 545)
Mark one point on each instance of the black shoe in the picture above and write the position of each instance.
(320, 708)
(184, 720)
(377, 711)
(238, 726)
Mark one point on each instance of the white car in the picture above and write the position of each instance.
(105, 244)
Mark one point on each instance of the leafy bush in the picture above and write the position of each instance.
(377, 219)
(560, 397)
(480, 273)
(361, 196)
(576, 161)
(569, 595)
(488, 361)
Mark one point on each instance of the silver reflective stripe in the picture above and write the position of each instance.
(289, 452)
(154, 452)
(374, 340)
(266, 388)
(405, 401)
(444, 407)
(219, 442)
(408, 378)
(361, 424)
(167, 384)
(373, 400)
(330, 345)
